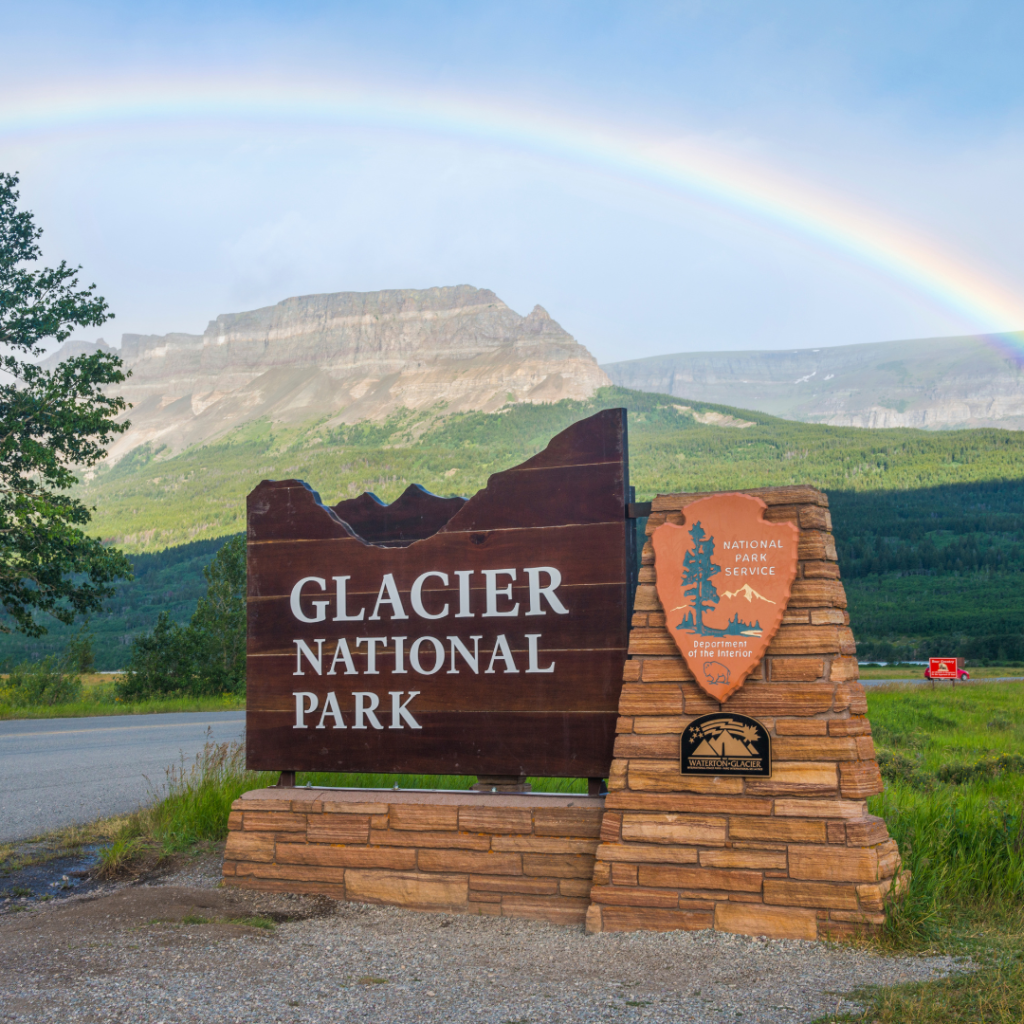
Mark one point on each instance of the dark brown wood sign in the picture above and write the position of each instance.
(439, 635)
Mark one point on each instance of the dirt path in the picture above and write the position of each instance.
(184, 950)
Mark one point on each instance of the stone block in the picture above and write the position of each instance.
(346, 856)
(650, 698)
(797, 778)
(820, 570)
(291, 872)
(611, 827)
(855, 725)
(801, 727)
(650, 919)
(471, 861)
(844, 670)
(496, 820)
(828, 863)
(424, 817)
(564, 910)
(273, 821)
(637, 853)
(755, 860)
(797, 830)
(673, 828)
(333, 804)
(407, 888)
(576, 822)
(434, 840)
(234, 820)
(665, 670)
(813, 517)
(602, 873)
(635, 745)
(622, 723)
(859, 779)
(758, 919)
(817, 593)
(797, 808)
(576, 887)
(805, 640)
(815, 748)
(633, 896)
(656, 725)
(252, 846)
(827, 617)
(514, 883)
(338, 828)
(828, 896)
(688, 803)
(769, 700)
(650, 641)
(555, 865)
(836, 832)
(484, 897)
(543, 844)
(660, 876)
(623, 874)
(815, 544)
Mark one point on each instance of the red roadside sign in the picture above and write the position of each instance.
(942, 668)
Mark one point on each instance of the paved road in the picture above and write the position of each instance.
(62, 771)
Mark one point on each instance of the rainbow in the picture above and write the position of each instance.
(679, 166)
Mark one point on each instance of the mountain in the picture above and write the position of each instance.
(343, 358)
(929, 383)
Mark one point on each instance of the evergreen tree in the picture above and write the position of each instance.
(697, 572)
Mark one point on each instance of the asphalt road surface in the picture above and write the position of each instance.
(63, 771)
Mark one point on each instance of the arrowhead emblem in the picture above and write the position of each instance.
(724, 578)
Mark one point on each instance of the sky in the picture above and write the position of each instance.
(660, 176)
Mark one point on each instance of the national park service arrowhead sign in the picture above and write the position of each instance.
(724, 579)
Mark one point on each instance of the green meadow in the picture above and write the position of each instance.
(929, 526)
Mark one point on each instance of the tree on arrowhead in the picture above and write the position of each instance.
(697, 572)
(51, 422)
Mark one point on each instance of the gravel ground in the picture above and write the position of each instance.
(124, 954)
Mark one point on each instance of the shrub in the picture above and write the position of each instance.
(46, 682)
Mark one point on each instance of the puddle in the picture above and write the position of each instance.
(49, 880)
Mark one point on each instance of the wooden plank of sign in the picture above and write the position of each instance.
(562, 508)
(415, 514)
(527, 743)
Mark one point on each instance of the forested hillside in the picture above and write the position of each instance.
(929, 526)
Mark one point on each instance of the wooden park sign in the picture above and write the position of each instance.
(442, 635)
(724, 579)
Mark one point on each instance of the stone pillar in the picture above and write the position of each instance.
(793, 856)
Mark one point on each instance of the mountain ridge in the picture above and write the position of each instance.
(345, 357)
(926, 383)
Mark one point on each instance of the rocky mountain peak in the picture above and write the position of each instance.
(346, 357)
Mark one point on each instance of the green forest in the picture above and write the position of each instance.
(929, 525)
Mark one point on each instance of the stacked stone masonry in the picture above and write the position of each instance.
(517, 856)
(793, 856)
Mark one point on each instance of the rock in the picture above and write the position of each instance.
(348, 356)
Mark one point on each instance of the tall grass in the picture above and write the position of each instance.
(199, 796)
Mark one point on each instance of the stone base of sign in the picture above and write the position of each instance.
(793, 856)
(514, 856)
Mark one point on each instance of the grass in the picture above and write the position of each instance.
(954, 801)
(98, 698)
